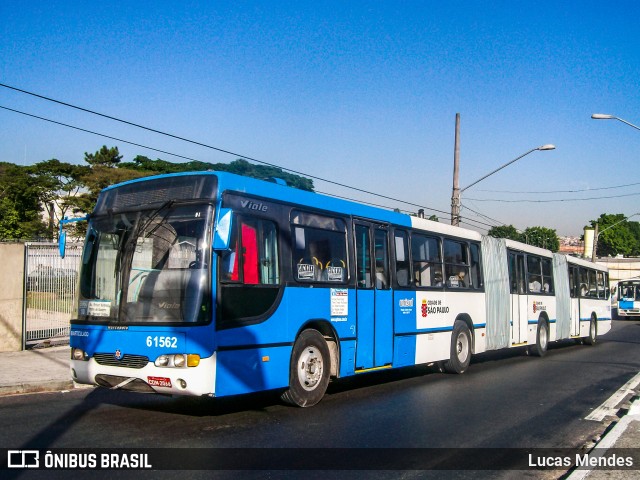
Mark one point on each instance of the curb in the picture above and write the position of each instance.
(40, 387)
(609, 439)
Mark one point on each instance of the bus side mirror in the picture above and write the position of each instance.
(62, 242)
(222, 232)
(62, 235)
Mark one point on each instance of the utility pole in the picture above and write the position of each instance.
(595, 242)
(455, 196)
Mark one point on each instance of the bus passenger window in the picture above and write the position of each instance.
(547, 276)
(584, 282)
(456, 264)
(573, 282)
(476, 271)
(534, 284)
(427, 262)
(318, 248)
(601, 286)
(513, 279)
(539, 274)
(402, 258)
(593, 288)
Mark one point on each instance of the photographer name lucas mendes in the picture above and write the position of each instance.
(581, 460)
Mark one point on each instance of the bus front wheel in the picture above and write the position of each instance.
(309, 370)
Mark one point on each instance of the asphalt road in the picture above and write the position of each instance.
(505, 400)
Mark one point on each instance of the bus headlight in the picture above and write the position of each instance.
(79, 354)
(162, 361)
(177, 360)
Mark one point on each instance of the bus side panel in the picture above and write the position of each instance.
(602, 311)
(241, 368)
(424, 321)
(252, 370)
(404, 351)
(539, 305)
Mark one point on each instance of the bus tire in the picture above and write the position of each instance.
(592, 338)
(309, 370)
(460, 353)
(542, 338)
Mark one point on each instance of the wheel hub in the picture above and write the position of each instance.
(310, 369)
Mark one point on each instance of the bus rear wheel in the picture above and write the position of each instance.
(592, 338)
(542, 339)
(460, 354)
(309, 370)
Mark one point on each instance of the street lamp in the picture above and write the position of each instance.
(604, 116)
(457, 192)
(596, 234)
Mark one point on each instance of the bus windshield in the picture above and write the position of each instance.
(629, 291)
(148, 265)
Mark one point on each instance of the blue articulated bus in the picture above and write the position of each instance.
(215, 284)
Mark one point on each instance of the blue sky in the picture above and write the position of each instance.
(362, 93)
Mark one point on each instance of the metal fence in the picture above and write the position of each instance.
(50, 291)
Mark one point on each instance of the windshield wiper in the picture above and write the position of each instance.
(126, 250)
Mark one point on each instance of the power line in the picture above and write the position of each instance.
(563, 191)
(97, 133)
(484, 216)
(193, 159)
(180, 156)
(408, 212)
(552, 200)
(177, 137)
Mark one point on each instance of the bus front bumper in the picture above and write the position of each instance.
(194, 381)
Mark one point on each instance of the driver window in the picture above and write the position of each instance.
(252, 258)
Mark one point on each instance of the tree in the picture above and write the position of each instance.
(634, 228)
(542, 237)
(617, 236)
(505, 231)
(102, 172)
(105, 157)
(239, 167)
(19, 204)
(58, 183)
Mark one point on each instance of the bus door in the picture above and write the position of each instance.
(517, 279)
(574, 290)
(374, 298)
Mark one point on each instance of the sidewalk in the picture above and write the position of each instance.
(47, 370)
(36, 370)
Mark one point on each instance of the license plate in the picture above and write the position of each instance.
(159, 382)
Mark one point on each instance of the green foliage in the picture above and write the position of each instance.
(19, 204)
(105, 157)
(239, 167)
(634, 228)
(542, 237)
(505, 231)
(617, 236)
(52, 189)
(537, 236)
(58, 183)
